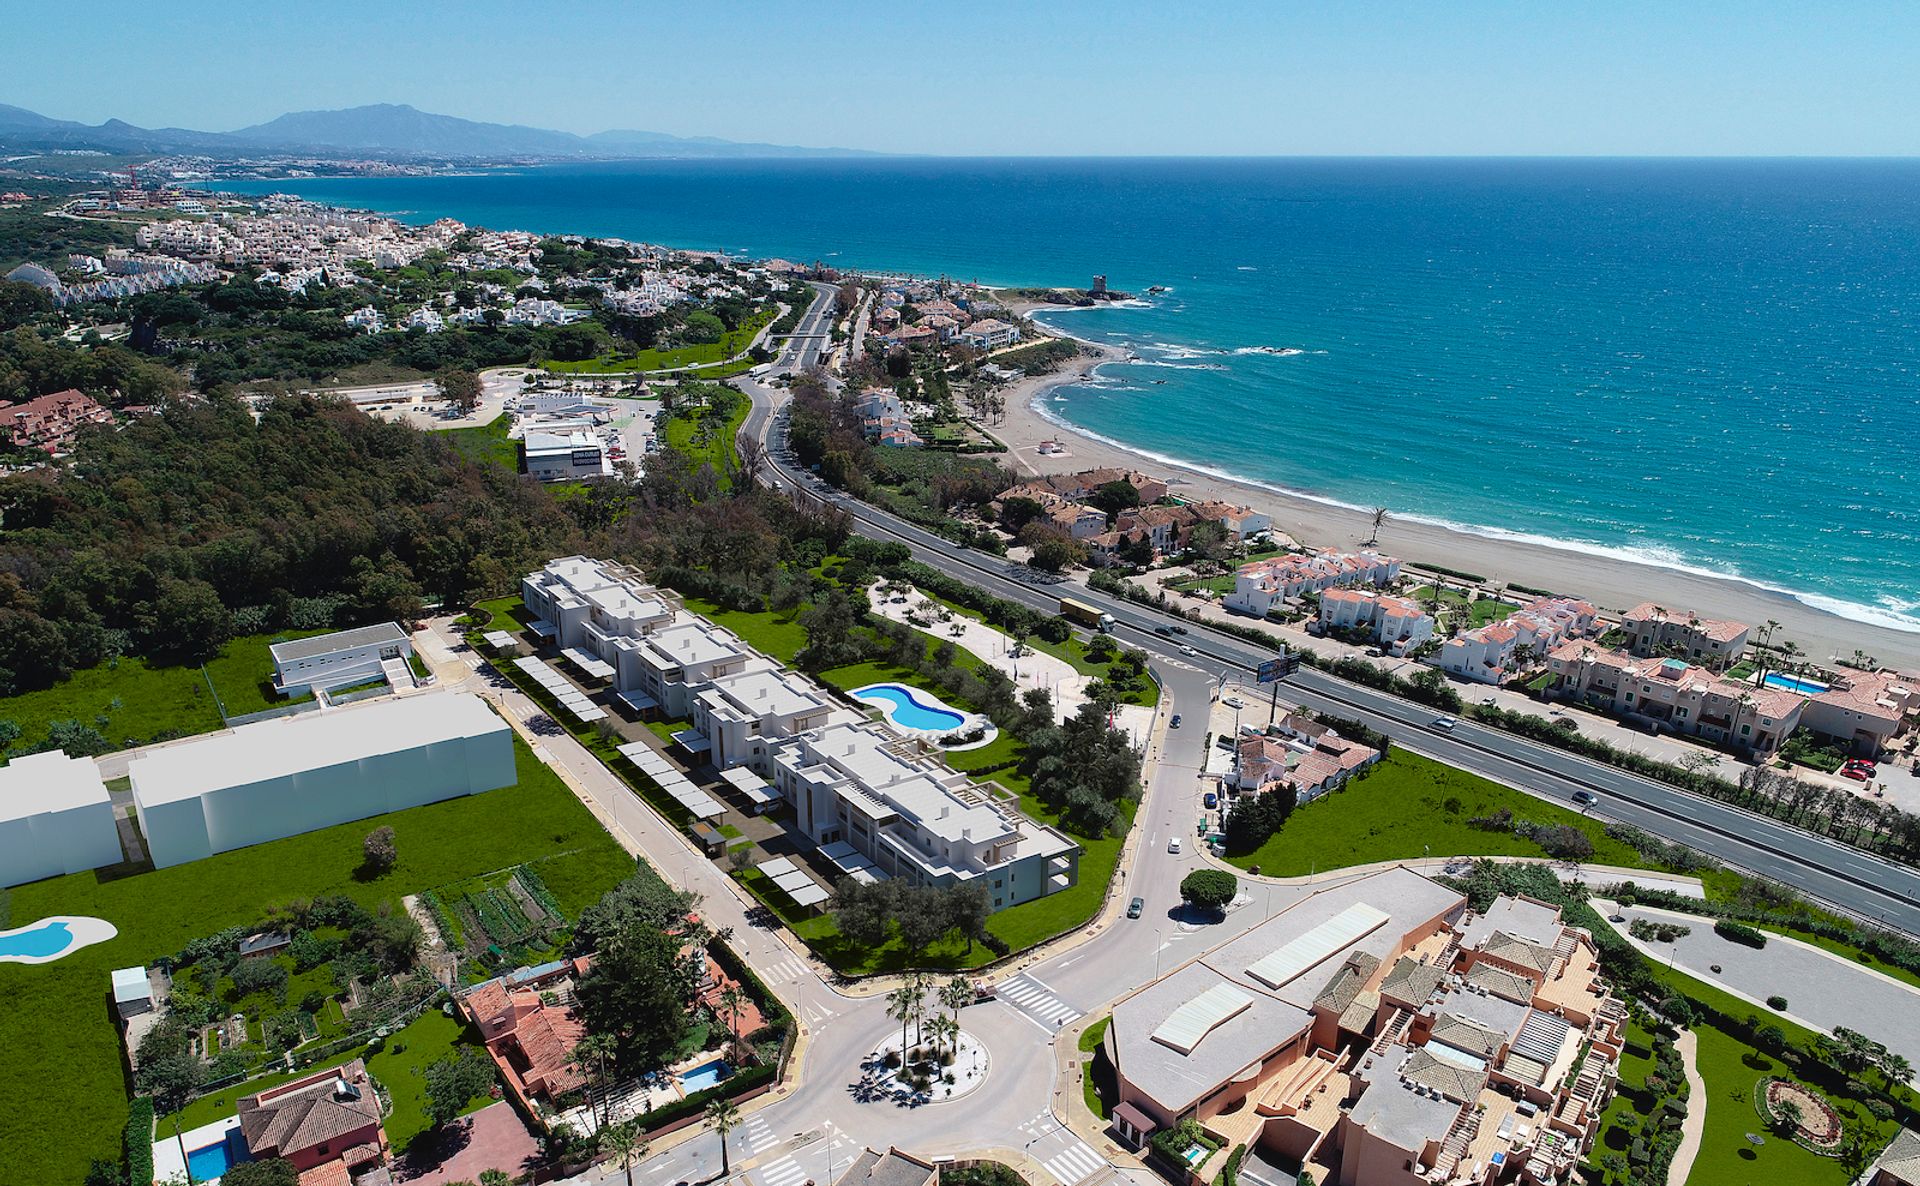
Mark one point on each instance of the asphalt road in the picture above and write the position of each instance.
(1864, 885)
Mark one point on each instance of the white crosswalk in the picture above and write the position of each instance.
(784, 971)
(756, 1136)
(1037, 1001)
(785, 1172)
(1075, 1163)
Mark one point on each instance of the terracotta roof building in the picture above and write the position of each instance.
(50, 422)
(330, 1116)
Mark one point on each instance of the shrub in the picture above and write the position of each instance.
(1777, 1003)
(1736, 932)
(1209, 889)
(379, 850)
(139, 1139)
(1677, 1010)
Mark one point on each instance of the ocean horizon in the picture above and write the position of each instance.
(1702, 364)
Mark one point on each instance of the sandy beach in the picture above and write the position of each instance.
(1609, 583)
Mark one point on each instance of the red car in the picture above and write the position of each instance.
(1856, 773)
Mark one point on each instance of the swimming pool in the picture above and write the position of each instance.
(911, 709)
(47, 940)
(704, 1076)
(1794, 683)
(211, 1161)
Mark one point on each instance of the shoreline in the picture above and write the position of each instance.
(1609, 582)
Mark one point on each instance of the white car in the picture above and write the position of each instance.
(1446, 723)
(1187, 650)
(1173, 846)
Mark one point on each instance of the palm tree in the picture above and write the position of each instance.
(495, 1178)
(1379, 516)
(944, 1030)
(901, 1004)
(590, 1055)
(732, 1001)
(955, 995)
(725, 1118)
(627, 1144)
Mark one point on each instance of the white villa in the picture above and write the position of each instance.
(1488, 655)
(338, 660)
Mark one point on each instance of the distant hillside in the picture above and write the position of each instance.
(380, 129)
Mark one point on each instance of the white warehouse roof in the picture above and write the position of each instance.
(311, 741)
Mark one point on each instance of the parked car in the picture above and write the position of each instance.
(1212, 800)
(1173, 846)
(1863, 764)
(1855, 773)
(1136, 908)
(1175, 722)
(1446, 723)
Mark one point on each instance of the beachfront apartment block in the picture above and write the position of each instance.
(914, 818)
(1492, 653)
(1263, 585)
(304, 666)
(1397, 624)
(990, 334)
(1682, 634)
(1380, 1033)
(1860, 710)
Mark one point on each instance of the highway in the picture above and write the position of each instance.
(1857, 882)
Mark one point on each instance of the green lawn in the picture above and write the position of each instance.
(399, 1065)
(58, 1025)
(715, 449)
(1479, 612)
(1411, 806)
(702, 356)
(489, 443)
(1730, 1068)
(142, 702)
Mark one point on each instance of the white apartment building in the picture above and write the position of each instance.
(1260, 587)
(915, 818)
(990, 334)
(1394, 622)
(740, 715)
(589, 604)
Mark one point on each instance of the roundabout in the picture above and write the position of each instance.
(933, 1072)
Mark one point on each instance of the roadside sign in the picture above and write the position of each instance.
(1271, 671)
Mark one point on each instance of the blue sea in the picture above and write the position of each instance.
(1711, 365)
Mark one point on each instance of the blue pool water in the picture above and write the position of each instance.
(211, 1161)
(906, 709)
(1789, 683)
(705, 1075)
(49, 938)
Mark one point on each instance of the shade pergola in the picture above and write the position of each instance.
(793, 881)
(573, 701)
(669, 779)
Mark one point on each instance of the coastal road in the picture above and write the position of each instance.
(1861, 884)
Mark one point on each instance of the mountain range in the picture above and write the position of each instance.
(380, 129)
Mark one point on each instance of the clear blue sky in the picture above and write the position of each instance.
(1047, 77)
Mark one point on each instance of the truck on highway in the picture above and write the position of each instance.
(1086, 615)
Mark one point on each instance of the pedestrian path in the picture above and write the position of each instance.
(1036, 1001)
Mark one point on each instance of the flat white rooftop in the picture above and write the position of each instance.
(35, 784)
(311, 741)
